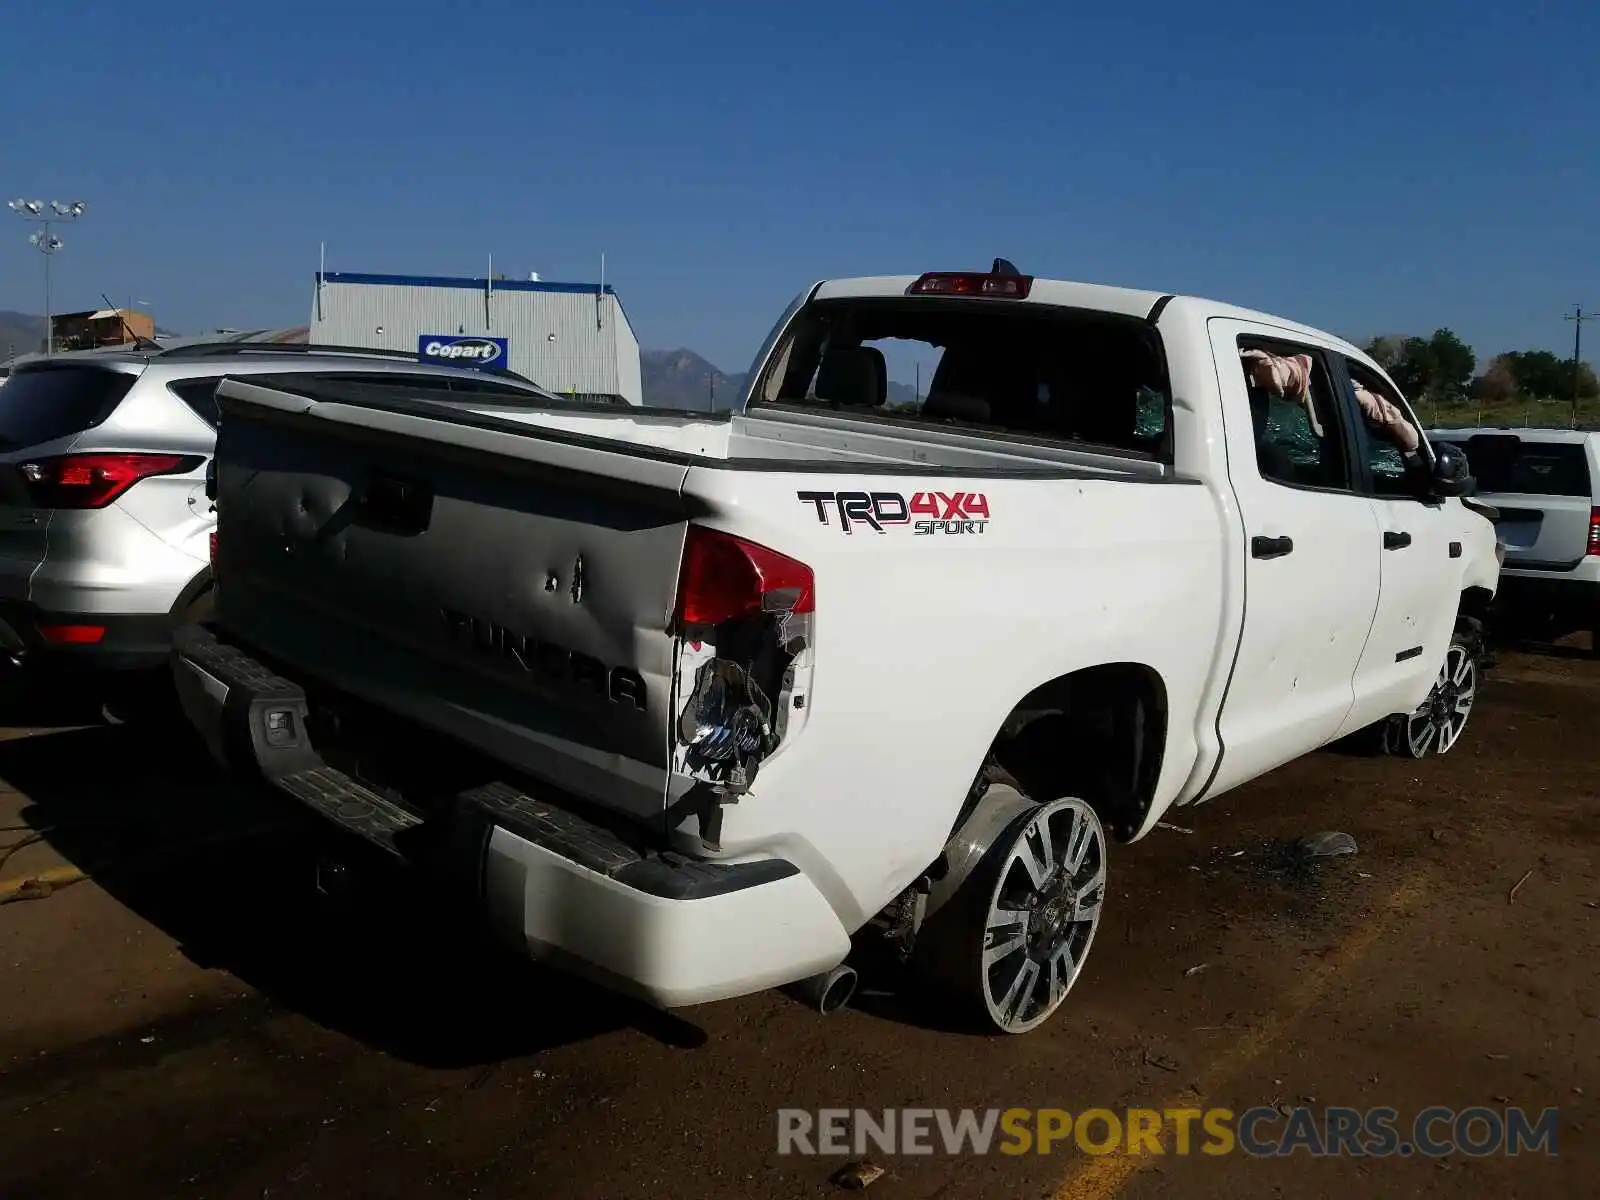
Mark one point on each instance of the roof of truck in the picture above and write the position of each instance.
(1132, 302)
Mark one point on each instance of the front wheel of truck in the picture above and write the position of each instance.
(1012, 941)
(1438, 723)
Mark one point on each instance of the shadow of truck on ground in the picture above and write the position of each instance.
(230, 874)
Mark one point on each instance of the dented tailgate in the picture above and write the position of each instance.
(507, 587)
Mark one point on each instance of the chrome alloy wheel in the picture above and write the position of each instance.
(1437, 724)
(1042, 914)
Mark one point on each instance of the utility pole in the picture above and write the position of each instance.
(47, 244)
(1577, 316)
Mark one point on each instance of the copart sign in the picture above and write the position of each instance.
(925, 513)
(460, 350)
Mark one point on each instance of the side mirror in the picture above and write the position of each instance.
(1452, 475)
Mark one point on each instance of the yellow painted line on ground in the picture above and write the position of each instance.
(44, 882)
(1103, 1177)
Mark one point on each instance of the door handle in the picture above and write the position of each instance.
(1396, 541)
(1269, 547)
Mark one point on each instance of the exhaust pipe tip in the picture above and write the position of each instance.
(828, 992)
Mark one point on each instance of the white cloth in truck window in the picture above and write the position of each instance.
(1385, 417)
(1286, 375)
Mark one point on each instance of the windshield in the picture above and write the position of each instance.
(1094, 378)
(43, 403)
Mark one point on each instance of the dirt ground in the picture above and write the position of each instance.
(194, 1020)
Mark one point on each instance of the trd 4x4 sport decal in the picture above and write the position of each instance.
(924, 512)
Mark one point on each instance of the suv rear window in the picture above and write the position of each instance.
(41, 404)
(1094, 378)
(1504, 463)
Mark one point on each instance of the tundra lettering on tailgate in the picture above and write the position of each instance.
(925, 512)
(548, 661)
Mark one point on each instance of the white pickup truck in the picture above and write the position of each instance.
(687, 703)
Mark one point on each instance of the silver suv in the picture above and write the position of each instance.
(104, 522)
(1545, 487)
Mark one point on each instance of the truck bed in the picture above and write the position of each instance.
(792, 436)
(508, 578)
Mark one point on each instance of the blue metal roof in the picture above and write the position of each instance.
(450, 281)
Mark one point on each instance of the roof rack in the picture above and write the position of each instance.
(215, 349)
(233, 346)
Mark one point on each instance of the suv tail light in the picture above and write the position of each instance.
(73, 635)
(1594, 531)
(95, 480)
(724, 577)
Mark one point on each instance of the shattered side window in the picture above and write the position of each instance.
(1152, 414)
(1394, 441)
(1293, 415)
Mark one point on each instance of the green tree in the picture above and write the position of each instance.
(1540, 375)
(1498, 383)
(1451, 363)
(1437, 368)
(1386, 350)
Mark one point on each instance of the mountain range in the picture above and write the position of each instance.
(20, 333)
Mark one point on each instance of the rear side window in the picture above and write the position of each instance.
(1093, 378)
(1506, 463)
(200, 395)
(41, 404)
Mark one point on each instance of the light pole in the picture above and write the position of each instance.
(1577, 316)
(47, 244)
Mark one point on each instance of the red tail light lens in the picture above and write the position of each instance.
(95, 480)
(725, 577)
(73, 635)
(1594, 531)
(213, 549)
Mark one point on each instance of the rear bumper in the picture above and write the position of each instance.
(89, 640)
(667, 929)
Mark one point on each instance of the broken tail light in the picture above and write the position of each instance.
(1594, 531)
(723, 578)
(86, 481)
(744, 612)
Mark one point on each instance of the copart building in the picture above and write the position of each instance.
(570, 338)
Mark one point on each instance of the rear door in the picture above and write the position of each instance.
(510, 587)
(44, 409)
(1543, 492)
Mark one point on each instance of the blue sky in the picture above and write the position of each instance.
(1365, 167)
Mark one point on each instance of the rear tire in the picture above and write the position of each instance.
(1009, 945)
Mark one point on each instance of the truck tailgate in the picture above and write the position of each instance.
(505, 587)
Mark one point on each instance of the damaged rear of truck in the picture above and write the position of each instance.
(686, 703)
